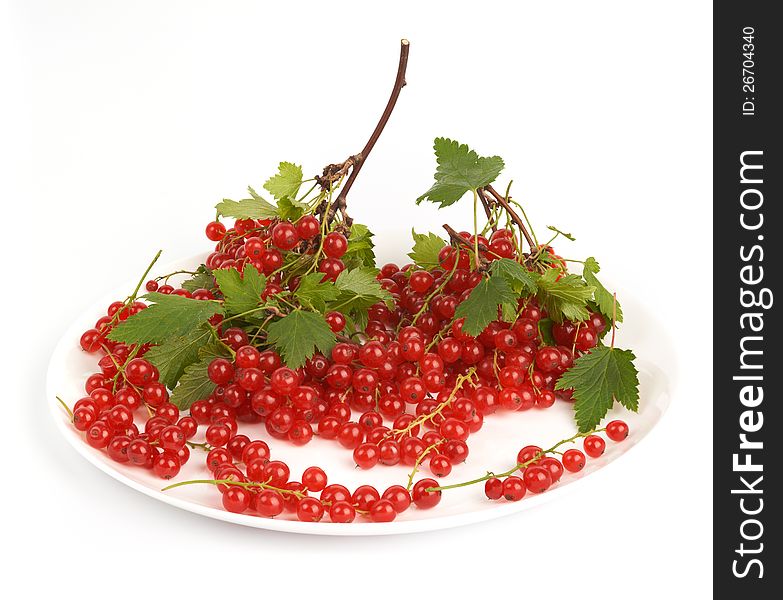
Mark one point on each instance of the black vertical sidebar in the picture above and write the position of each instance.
(747, 248)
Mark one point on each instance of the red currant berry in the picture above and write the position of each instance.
(422, 496)
(269, 503)
(308, 227)
(236, 499)
(309, 510)
(335, 245)
(537, 479)
(594, 446)
(166, 466)
(284, 236)
(493, 488)
(554, 466)
(382, 511)
(220, 371)
(617, 431)
(342, 512)
(399, 497)
(514, 489)
(440, 465)
(215, 231)
(364, 497)
(573, 460)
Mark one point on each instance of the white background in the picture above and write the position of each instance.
(128, 121)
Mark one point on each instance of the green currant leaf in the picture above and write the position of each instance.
(604, 299)
(203, 279)
(564, 298)
(195, 384)
(170, 316)
(598, 378)
(290, 210)
(481, 306)
(517, 276)
(297, 335)
(174, 355)
(249, 208)
(545, 331)
(359, 290)
(360, 251)
(313, 292)
(241, 291)
(426, 247)
(286, 183)
(460, 170)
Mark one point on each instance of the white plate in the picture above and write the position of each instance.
(493, 448)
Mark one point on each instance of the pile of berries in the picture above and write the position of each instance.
(411, 391)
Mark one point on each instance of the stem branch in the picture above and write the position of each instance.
(512, 213)
(357, 161)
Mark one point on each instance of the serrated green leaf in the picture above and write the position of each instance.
(170, 316)
(203, 279)
(426, 247)
(517, 276)
(360, 248)
(604, 299)
(598, 379)
(248, 208)
(297, 335)
(174, 355)
(194, 384)
(480, 308)
(286, 183)
(290, 210)
(254, 207)
(241, 291)
(313, 292)
(459, 170)
(359, 290)
(564, 298)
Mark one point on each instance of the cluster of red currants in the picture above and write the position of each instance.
(411, 393)
(539, 471)
(261, 243)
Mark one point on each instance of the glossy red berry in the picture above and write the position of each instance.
(236, 499)
(284, 236)
(423, 496)
(215, 231)
(335, 245)
(594, 446)
(573, 460)
(617, 430)
(342, 512)
(309, 510)
(514, 488)
(269, 503)
(537, 479)
(366, 455)
(308, 227)
(399, 497)
(493, 488)
(382, 511)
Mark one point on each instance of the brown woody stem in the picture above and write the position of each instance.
(512, 213)
(358, 160)
(458, 239)
(485, 203)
